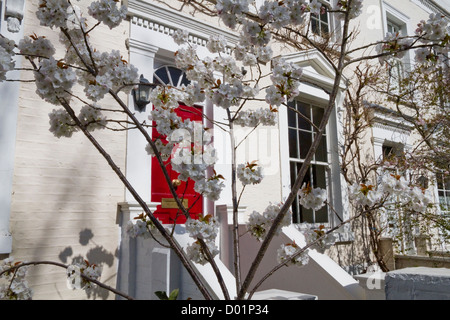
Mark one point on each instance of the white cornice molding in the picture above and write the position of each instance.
(431, 6)
(142, 47)
(167, 20)
(324, 75)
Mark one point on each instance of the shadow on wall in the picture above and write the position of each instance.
(96, 255)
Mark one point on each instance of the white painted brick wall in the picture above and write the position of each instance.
(63, 189)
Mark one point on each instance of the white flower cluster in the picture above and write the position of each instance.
(276, 14)
(392, 187)
(142, 227)
(108, 12)
(196, 253)
(354, 10)
(249, 173)
(54, 80)
(113, 73)
(227, 90)
(137, 229)
(280, 14)
(285, 254)
(210, 188)
(435, 32)
(364, 195)
(13, 285)
(259, 224)
(35, 46)
(164, 149)
(75, 272)
(231, 11)
(312, 198)
(180, 36)
(313, 235)
(216, 44)
(92, 117)
(205, 228)
(252, 118)
(53, 13)
(6, 53)
(62, 125)
(286, 82)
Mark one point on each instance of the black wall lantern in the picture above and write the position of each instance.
(141, 94)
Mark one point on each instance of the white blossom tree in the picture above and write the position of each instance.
(230, 82)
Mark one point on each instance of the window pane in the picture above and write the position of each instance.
(292, 116)
(185, 80)
(315, 25)
(440, 182)
(324, 17)
(321, 216)
(163, 75)
(321, 152)
(320, 178)
(175, 74)
(447, 183)
(305, 139)
(293, 145)
(306, 215)
(324, 28)
(317, 115)
(305, 110)
(295, 212)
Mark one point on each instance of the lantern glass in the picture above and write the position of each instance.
(141, 94)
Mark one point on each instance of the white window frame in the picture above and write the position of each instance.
(324, 163)
(319, 20)
(394, 17)
(319, 77)
(445, 191)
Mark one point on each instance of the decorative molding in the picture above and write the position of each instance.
(431, 6)
(324, 74)
(133, 209)
(225, 213)
(14, 14)
(166, 21)
(142, 47)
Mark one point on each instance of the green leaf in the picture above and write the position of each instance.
(162, 295)
(174, 294)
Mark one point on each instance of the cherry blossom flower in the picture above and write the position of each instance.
(13, 284)
(196, 253)
(259, 224)
(249, 173)
(364, 194)
(286, 252)
(76, 281)
(314, 234)
(35, 46)
(205, 227)
(312, 198)
(108, 12)
(53, 13)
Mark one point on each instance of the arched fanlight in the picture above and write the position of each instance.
(170, 76)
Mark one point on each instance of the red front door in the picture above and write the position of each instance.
(168, 212)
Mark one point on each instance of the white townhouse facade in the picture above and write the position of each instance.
(59, 201)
